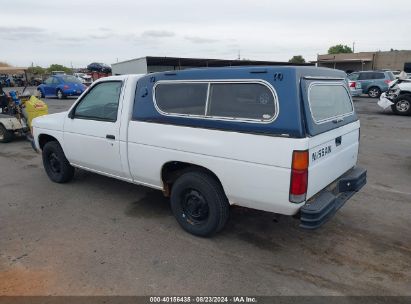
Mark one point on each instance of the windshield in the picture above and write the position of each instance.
(69, 78)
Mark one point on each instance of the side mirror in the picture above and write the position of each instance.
(71, 114)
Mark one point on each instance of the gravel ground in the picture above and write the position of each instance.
(100, 236)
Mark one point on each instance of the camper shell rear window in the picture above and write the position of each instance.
(329, 101)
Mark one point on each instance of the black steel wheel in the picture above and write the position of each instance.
(55, 163)
(199, 203)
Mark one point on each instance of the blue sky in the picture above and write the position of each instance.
(79, 32)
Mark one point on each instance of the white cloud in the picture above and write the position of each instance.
(157, 34)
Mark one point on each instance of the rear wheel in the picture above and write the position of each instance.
(56, 164)
(5, 135)
(402, 105)
(199, 203)
(60, 94)
(374, 92)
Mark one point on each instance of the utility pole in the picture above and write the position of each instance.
(239, 55)
(353, 47)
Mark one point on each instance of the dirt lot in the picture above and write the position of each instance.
(99, 236)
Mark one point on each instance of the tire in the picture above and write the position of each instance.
(41, 94)
(374, 92)
(5, 135)
(199, 204)
(56, 164)
(402, 105)
(60, 94)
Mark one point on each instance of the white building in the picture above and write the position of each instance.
(151, 64)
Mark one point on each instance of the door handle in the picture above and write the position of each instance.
(108, 136)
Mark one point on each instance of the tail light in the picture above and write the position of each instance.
(66, 87)
(352, 84)
(299, 177)
(387, 81)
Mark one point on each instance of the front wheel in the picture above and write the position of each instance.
(56, 164)
(41, 95)
(402, 105)
(199, 204)
(5, 135)
(374, 92)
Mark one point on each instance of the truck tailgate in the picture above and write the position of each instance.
(331, 154)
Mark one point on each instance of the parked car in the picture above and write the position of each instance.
(396, 73)
(99, 67)
(61, 86)
(398, 97)
(84, 78)
(355, 88)
(211, 138)
(373, 83)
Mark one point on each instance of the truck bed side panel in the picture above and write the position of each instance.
(254, 170)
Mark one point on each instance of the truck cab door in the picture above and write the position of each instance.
(92, 128)
(54, 85)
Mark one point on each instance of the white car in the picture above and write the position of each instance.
(398, 97)
(84, 78)
(278, 139)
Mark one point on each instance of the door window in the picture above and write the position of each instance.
(55, 81)
(378, 76)
(48, 80)
(365, 76)
(101, 102)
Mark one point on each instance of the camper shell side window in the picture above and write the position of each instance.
(253, 101)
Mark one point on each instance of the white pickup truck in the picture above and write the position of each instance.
(279, 139)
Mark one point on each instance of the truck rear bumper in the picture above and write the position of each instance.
(322, 207)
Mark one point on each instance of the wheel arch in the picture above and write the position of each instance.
(402, 93)
(43, 139)
(4, 126)
(172, 170)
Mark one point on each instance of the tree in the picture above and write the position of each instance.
(339, 48)
(58, 67)
(297, 59)
(37, 70)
